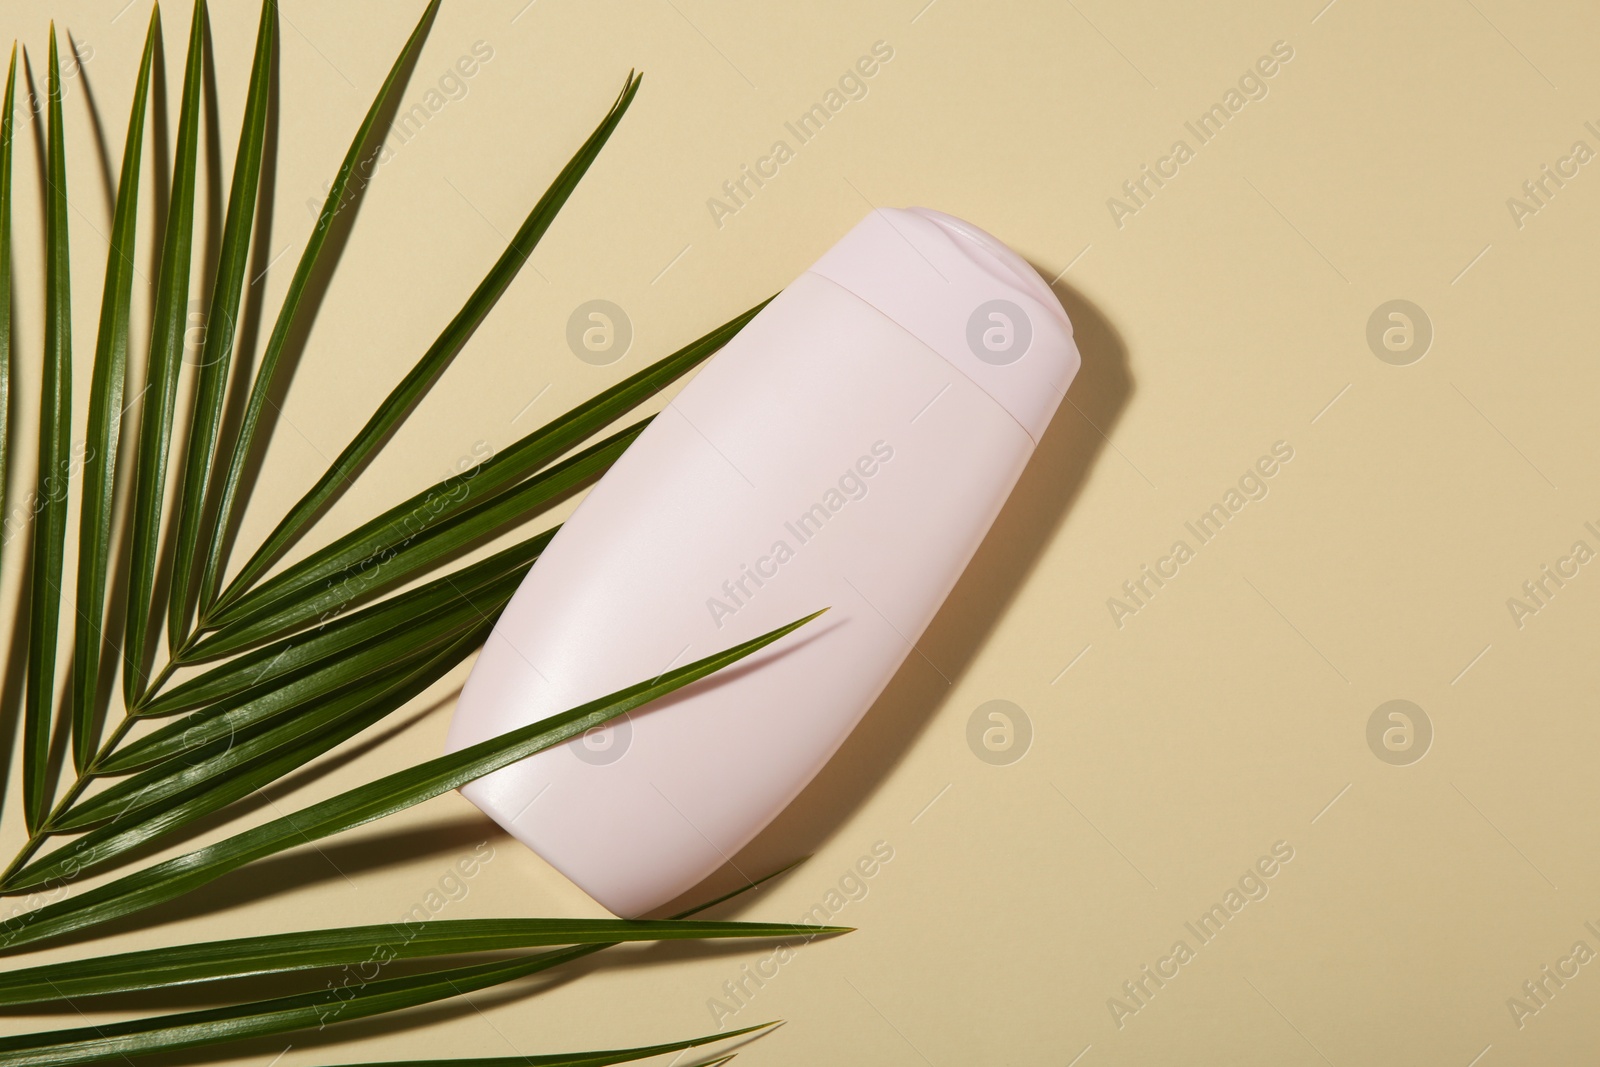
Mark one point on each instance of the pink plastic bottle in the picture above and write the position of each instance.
(848, 449)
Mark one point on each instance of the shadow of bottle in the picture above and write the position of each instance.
(1037, 506)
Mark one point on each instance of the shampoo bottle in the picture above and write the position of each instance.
(848, 449)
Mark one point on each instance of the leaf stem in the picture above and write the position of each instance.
(82, 780)
(70, 797)
(154, 686)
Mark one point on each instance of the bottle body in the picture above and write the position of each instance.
(825, 458)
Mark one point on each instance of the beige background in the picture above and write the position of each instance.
(1229, 313)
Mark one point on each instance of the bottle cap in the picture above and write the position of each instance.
(968, 297)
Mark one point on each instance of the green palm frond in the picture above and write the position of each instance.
(216, 356)
(55, 442)
(386, 619)
(585, 1059)
(433, 362)
(105, 426)
(195, 1029)
(159, 398)
(300, 1011)
(266, 372)
(166, 798)
(354, 946)
(271, 668)
(7, 129)
(395, 792)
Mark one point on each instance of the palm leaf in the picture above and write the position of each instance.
(420, 550)
(395, 792)
(169, 1033)
(105, 424)
(324, 1007)
(261, 386)
(225, 719)
(217, 353)
(382, 536)
(232, 769)
(581, 1059)
(304, 650)
(5, 319)
(161, 376)
(351, 946)
(421, 377)
(55, 442)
